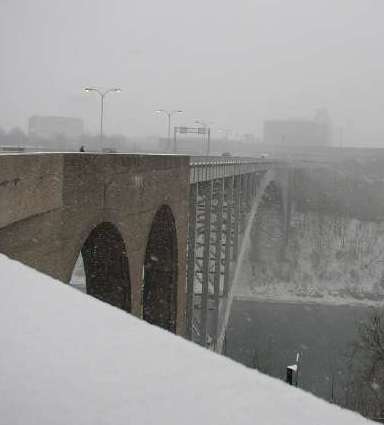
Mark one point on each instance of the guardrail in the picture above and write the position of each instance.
(209, 168)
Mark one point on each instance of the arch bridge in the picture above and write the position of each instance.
(159, 235)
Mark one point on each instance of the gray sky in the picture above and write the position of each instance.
(235, 63)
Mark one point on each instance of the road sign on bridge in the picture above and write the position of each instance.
(200, 131)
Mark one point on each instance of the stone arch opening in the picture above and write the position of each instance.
(160, 272)
(106, 266)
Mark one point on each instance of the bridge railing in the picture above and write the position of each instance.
(210, 168)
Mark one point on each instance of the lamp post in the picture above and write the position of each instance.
(169, 115)
(102, 95)
(205, 125)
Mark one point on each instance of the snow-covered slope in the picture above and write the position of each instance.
(327, 259)
(68, 359)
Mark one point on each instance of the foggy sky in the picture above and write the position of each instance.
(235, 63)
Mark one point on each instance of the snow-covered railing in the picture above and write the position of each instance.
(205, 168)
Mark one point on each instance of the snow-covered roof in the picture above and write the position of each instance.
(67, 359)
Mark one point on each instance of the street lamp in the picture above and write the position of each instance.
(169, 115)
(207, 132)
(102, 95)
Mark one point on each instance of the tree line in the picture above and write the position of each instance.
(16, 137)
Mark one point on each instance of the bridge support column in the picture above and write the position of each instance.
(236, 224)
(250, 191)
(255, 181)
(246, 193)
(245, 201)
(218, 231)
(191, 259)
(229, 183)
(207, 194)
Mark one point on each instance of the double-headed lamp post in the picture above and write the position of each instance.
(169, 115)
(102, 95)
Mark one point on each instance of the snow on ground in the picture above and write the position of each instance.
(67, 358)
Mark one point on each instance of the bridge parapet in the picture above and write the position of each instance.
(210, 168)
(29, 185)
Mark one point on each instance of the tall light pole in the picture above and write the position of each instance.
(169, 115)
(102, 95)
(205, 125)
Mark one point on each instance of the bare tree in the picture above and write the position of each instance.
(365, 390)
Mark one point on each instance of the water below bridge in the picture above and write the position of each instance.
(267, 335)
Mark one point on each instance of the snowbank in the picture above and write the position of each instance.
(69, 359)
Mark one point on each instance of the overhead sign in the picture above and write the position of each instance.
(192, 130)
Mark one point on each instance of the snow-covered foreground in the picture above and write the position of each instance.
(66, 358)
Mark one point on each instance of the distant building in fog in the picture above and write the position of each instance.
(50, 128)
(316, 132)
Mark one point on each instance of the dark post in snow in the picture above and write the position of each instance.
(289, 378)
(292, 377)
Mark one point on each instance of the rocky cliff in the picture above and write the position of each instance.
(332, 249)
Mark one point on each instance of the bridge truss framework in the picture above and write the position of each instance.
(221, 196)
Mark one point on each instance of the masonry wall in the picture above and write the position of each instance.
(49, 204)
